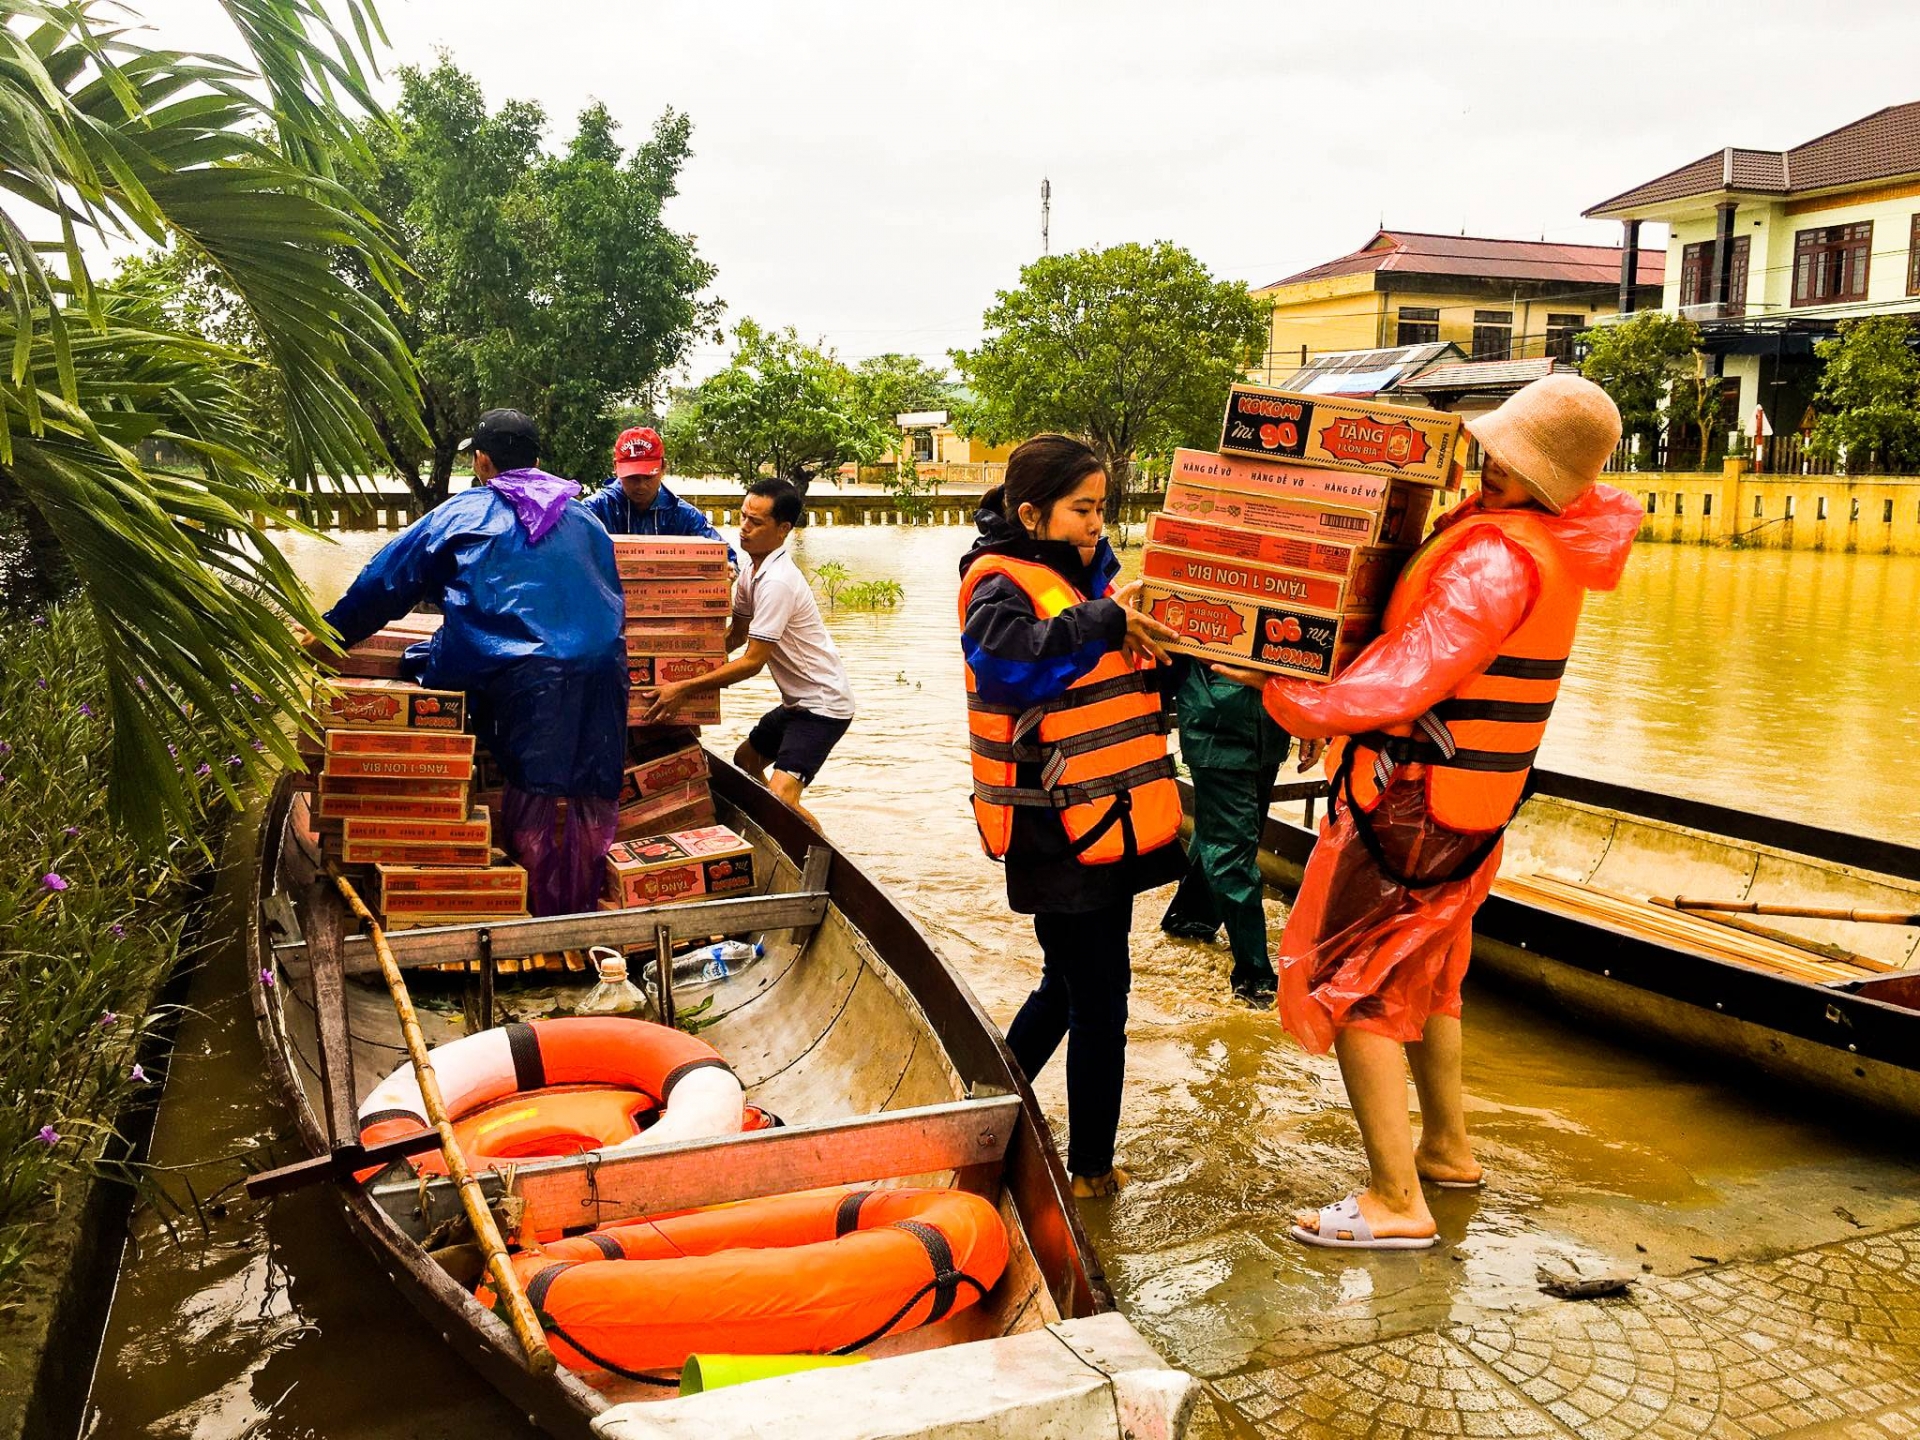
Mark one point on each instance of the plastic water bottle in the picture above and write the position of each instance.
(716, 962)
(615, 994)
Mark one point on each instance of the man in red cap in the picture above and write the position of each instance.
(636, 502)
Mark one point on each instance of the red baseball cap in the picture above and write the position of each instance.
(639, 452)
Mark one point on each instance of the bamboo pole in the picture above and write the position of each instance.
(1804, 912)
(526, 1326)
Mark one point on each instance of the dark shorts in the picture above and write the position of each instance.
(796, 741)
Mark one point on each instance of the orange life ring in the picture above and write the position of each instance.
(806, 1274)
(585, 1082)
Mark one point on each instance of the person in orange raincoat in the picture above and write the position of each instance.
(1435, 727)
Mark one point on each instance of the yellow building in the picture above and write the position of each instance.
(1495, 299)
(1768, 250)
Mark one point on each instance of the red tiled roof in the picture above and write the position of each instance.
(1413, 253)
(1883, 144)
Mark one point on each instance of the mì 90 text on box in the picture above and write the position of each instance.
(1393, 442)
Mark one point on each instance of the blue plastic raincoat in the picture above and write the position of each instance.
(533, 626)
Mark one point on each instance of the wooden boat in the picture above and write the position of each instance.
(1575, 921)
(852, 1030)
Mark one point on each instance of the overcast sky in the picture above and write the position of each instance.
(870, 172)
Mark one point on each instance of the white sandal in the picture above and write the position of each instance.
(1343, 1227)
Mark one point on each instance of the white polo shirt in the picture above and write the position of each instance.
(779, 608)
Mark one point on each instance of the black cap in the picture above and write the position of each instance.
(506, 437)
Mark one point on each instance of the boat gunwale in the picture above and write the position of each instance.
(1032, 1173)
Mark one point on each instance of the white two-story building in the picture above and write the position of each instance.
(1768, 250)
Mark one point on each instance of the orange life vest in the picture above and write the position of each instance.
(1100, 747)
(1479, 743)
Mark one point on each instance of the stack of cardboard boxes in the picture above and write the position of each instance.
(393, 781)
(662, 869)
(679, 604)
(1283, 559)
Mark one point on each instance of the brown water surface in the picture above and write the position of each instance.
(1781, 682)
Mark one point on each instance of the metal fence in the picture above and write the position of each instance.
(1776, 455)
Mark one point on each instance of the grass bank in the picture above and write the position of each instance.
(89, 928)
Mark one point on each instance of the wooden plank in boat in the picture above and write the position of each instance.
(326, 919)
(597, 1189)
(518, 939)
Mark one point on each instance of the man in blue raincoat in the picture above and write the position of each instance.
(533, 634)
(636, 501)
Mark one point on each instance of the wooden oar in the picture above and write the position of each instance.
(1839, 955)
(526, 1327)
(1803, 912)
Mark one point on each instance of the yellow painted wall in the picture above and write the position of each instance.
(1679, 511)
(1348, 314)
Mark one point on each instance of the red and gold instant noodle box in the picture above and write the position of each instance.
(411, 767)
(683, 635)
(1394, 442)
(400, 744)
(418, 887)
(1291, 640)
(649, 557)
(386, 705)
(646, 671)
(676, 599)
(658, 869)
(337, 806)
(468, 830)
(1363, 593)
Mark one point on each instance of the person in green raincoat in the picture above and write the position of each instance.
(1233, 751)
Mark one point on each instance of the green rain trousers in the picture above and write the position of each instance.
(1233, 752)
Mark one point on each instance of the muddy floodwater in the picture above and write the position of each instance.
(1783, 682)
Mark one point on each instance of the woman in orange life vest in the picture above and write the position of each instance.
(1439, 720)
(1072, 784)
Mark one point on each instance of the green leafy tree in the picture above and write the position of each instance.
(781, 407)
(1868, 400)
(888, 386)
(1638, 363)
(550, 283)
(1132, 347)
(252, 166)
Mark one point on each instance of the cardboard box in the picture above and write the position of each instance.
(389, 807)
(474, 829)
(416, 920)
(398, 789)
(399, 743)
(386, 705)
(676, 599)
(378, 656)
(698, 812)
(1357, 436)
(1287, 639)
(1369, 570)
(660, 774)
(646, 671)
(1400, 523)
(686, 635)
(698, 710)
(663, 868)
(414, 767)
(649, 557)
(1275, 480)
(1271, 586)
(651, 809)
(455, 859)
(397, 882)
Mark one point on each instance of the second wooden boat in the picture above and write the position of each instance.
(1575, 922)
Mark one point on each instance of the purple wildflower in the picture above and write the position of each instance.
(48, 1136)
(53, 881)
(266, 978)
(259, 699)
(141, 681)
(258, 744)
(5, 749)
(233, 760)
(202, 769)
(41, 681)
(233, 687)
(173, 750)
(119, 932)
(138, 1076)
(86, 709)
(40, 620)
(109, 1019)
(72, 830)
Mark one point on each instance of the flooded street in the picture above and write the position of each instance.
(1782, 682)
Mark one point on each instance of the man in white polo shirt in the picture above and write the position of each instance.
(776, 617)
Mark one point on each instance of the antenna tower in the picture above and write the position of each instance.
(1046, 211)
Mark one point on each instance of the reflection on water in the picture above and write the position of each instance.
(1782, 682)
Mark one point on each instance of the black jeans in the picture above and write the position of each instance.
(1082, 998)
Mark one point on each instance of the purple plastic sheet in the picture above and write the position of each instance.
(563, 875)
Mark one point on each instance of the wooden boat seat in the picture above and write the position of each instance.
(1646, 920)
(968, 1138)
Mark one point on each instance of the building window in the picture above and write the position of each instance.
(1653, 502)
(1492, 334)
(1886, 517)
(1791, 505)
(1419, 325)
(1830, 264)
(1696, 274)
(1706, 505)
(1679, 503)
(1820, 508)
(1759, 508)
(1913, 257)
(1561, 330)
(1853, 508)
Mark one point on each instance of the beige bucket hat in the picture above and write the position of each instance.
(1553, 436)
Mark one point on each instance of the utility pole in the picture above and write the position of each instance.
(1046, 211)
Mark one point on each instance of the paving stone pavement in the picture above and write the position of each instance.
(1823, 1344)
